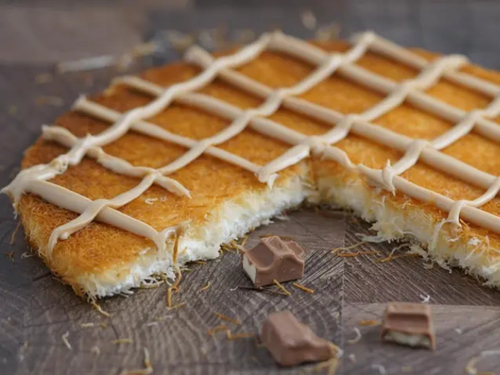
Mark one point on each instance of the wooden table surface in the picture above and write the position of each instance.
(36, 309)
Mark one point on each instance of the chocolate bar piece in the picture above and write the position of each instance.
(274, 259)
(409, 324)
(291, 342)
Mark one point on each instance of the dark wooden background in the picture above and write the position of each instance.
(36, 310)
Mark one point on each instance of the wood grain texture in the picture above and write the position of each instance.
(37, 309)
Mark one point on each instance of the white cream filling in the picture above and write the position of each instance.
(239, 217)
(406, 339)
(249, 269)
(392, 223)
(233, 220)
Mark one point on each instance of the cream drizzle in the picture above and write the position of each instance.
(28, 178)
(117, 165)
(75, 202)
(362, 128)
(290, 136)
(414, 149)
(103, 113)
(405, 56)
(34, 179)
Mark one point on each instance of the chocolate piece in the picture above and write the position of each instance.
(291, 342)
(409, 324)
(274, 259)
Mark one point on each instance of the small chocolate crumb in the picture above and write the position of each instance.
(274, 259)
(409, 324)
(291, 342)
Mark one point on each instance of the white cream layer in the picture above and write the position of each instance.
(408, 340)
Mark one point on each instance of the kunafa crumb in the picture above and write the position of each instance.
(99, 309)
(302, 287)
(205, 287)
(14, 233)
(279, 285)
(219, 328)
(357, 338)
(227, 318)
(65, 340)
(369, 323)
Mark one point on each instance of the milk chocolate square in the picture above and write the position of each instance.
(409, 324)
(274, 259)
(291, 342)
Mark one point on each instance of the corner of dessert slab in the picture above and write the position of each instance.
(424, 228)
(202, 240)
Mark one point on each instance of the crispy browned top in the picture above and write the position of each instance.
(98, 247)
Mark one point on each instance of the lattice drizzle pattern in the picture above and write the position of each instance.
(35, 178)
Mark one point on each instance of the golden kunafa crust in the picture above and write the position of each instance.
(101, 251)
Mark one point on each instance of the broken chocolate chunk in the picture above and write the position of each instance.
(291, 342)
(409, 324)
(274, 259)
